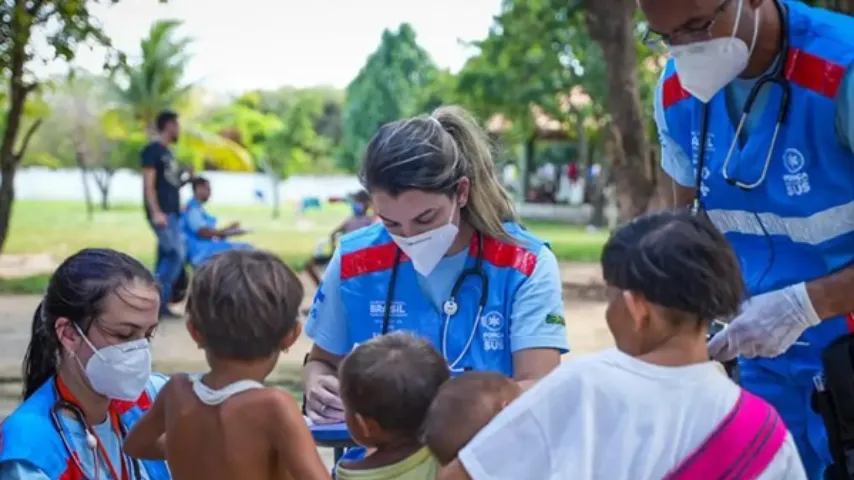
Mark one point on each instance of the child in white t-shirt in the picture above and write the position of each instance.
(654, 407)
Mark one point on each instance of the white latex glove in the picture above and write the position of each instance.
(323, 402)
(767, 326)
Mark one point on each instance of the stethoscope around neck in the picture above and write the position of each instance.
(450, 307)
(775, 77)
(63, 404)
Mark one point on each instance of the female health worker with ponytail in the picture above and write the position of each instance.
(448, 262)
(87, 374)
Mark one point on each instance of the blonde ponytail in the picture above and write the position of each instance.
(489, 204)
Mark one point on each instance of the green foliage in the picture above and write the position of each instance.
(156, 81)
(392, 85)
(288, 131)
(539, 52)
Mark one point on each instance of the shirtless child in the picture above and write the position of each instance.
(225, 424)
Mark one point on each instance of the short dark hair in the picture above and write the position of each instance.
(362, 196)
(677, 260)
(244, 303)
(164, 118)
(392, 380)
(462, 407)
(197, 182)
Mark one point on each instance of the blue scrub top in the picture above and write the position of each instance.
(540, 297)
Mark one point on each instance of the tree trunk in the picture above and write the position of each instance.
(611, 25)
(528, 167)
(103, 179)
(84, 176)
(7, 198)
(18, 92)
(274, 182)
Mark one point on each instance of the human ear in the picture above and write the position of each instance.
(462, 194)
(292, 337)
(638, 308)
(68, 336)
(194, 334)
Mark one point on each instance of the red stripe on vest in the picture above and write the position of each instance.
(506, 255)
(122, 406)
(814, 73)
(72, 470)
(849, 322)
(381, 257)
(672, 91)
(369, 260)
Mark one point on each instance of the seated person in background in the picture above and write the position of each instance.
(204, 239)
(225, 424)
(387, 385)
(655, 407)
(463, 406)
(361, 204)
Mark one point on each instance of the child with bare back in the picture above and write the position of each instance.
(225, 424)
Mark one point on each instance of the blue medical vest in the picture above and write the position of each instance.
(798, 225)
(43, 447)
(367, 261)
(197, 247)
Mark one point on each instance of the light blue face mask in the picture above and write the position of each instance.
(358, 209)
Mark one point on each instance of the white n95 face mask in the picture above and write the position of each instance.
(705, 68)
(119, 372)
(427, 249)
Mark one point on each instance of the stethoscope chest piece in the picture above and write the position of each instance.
(450, 307)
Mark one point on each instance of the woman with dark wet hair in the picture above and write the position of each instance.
(87, 374)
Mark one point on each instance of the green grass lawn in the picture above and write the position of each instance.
(61, 228)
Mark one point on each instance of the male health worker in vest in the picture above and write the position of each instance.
(448, 262)
(783, 196)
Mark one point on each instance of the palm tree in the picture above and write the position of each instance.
(156, 82)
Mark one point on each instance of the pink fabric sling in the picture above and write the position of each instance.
(740, 448)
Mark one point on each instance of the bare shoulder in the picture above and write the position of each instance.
(176, 382)
(275, 405)
(174, 387)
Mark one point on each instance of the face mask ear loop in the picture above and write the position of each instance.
(738, 19)
(755, 31)
(88, 342)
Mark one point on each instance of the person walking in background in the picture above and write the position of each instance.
(162, 179)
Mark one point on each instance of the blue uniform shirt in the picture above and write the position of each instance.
(537, 298)
(22, 470)
(795, 225)
(678, 165)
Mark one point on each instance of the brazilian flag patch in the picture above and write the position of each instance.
(553, 319)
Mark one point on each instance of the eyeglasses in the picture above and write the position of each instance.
(660, 42)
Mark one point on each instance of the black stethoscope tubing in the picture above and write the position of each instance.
(776, 77)
(79, 416)
(477, 271)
